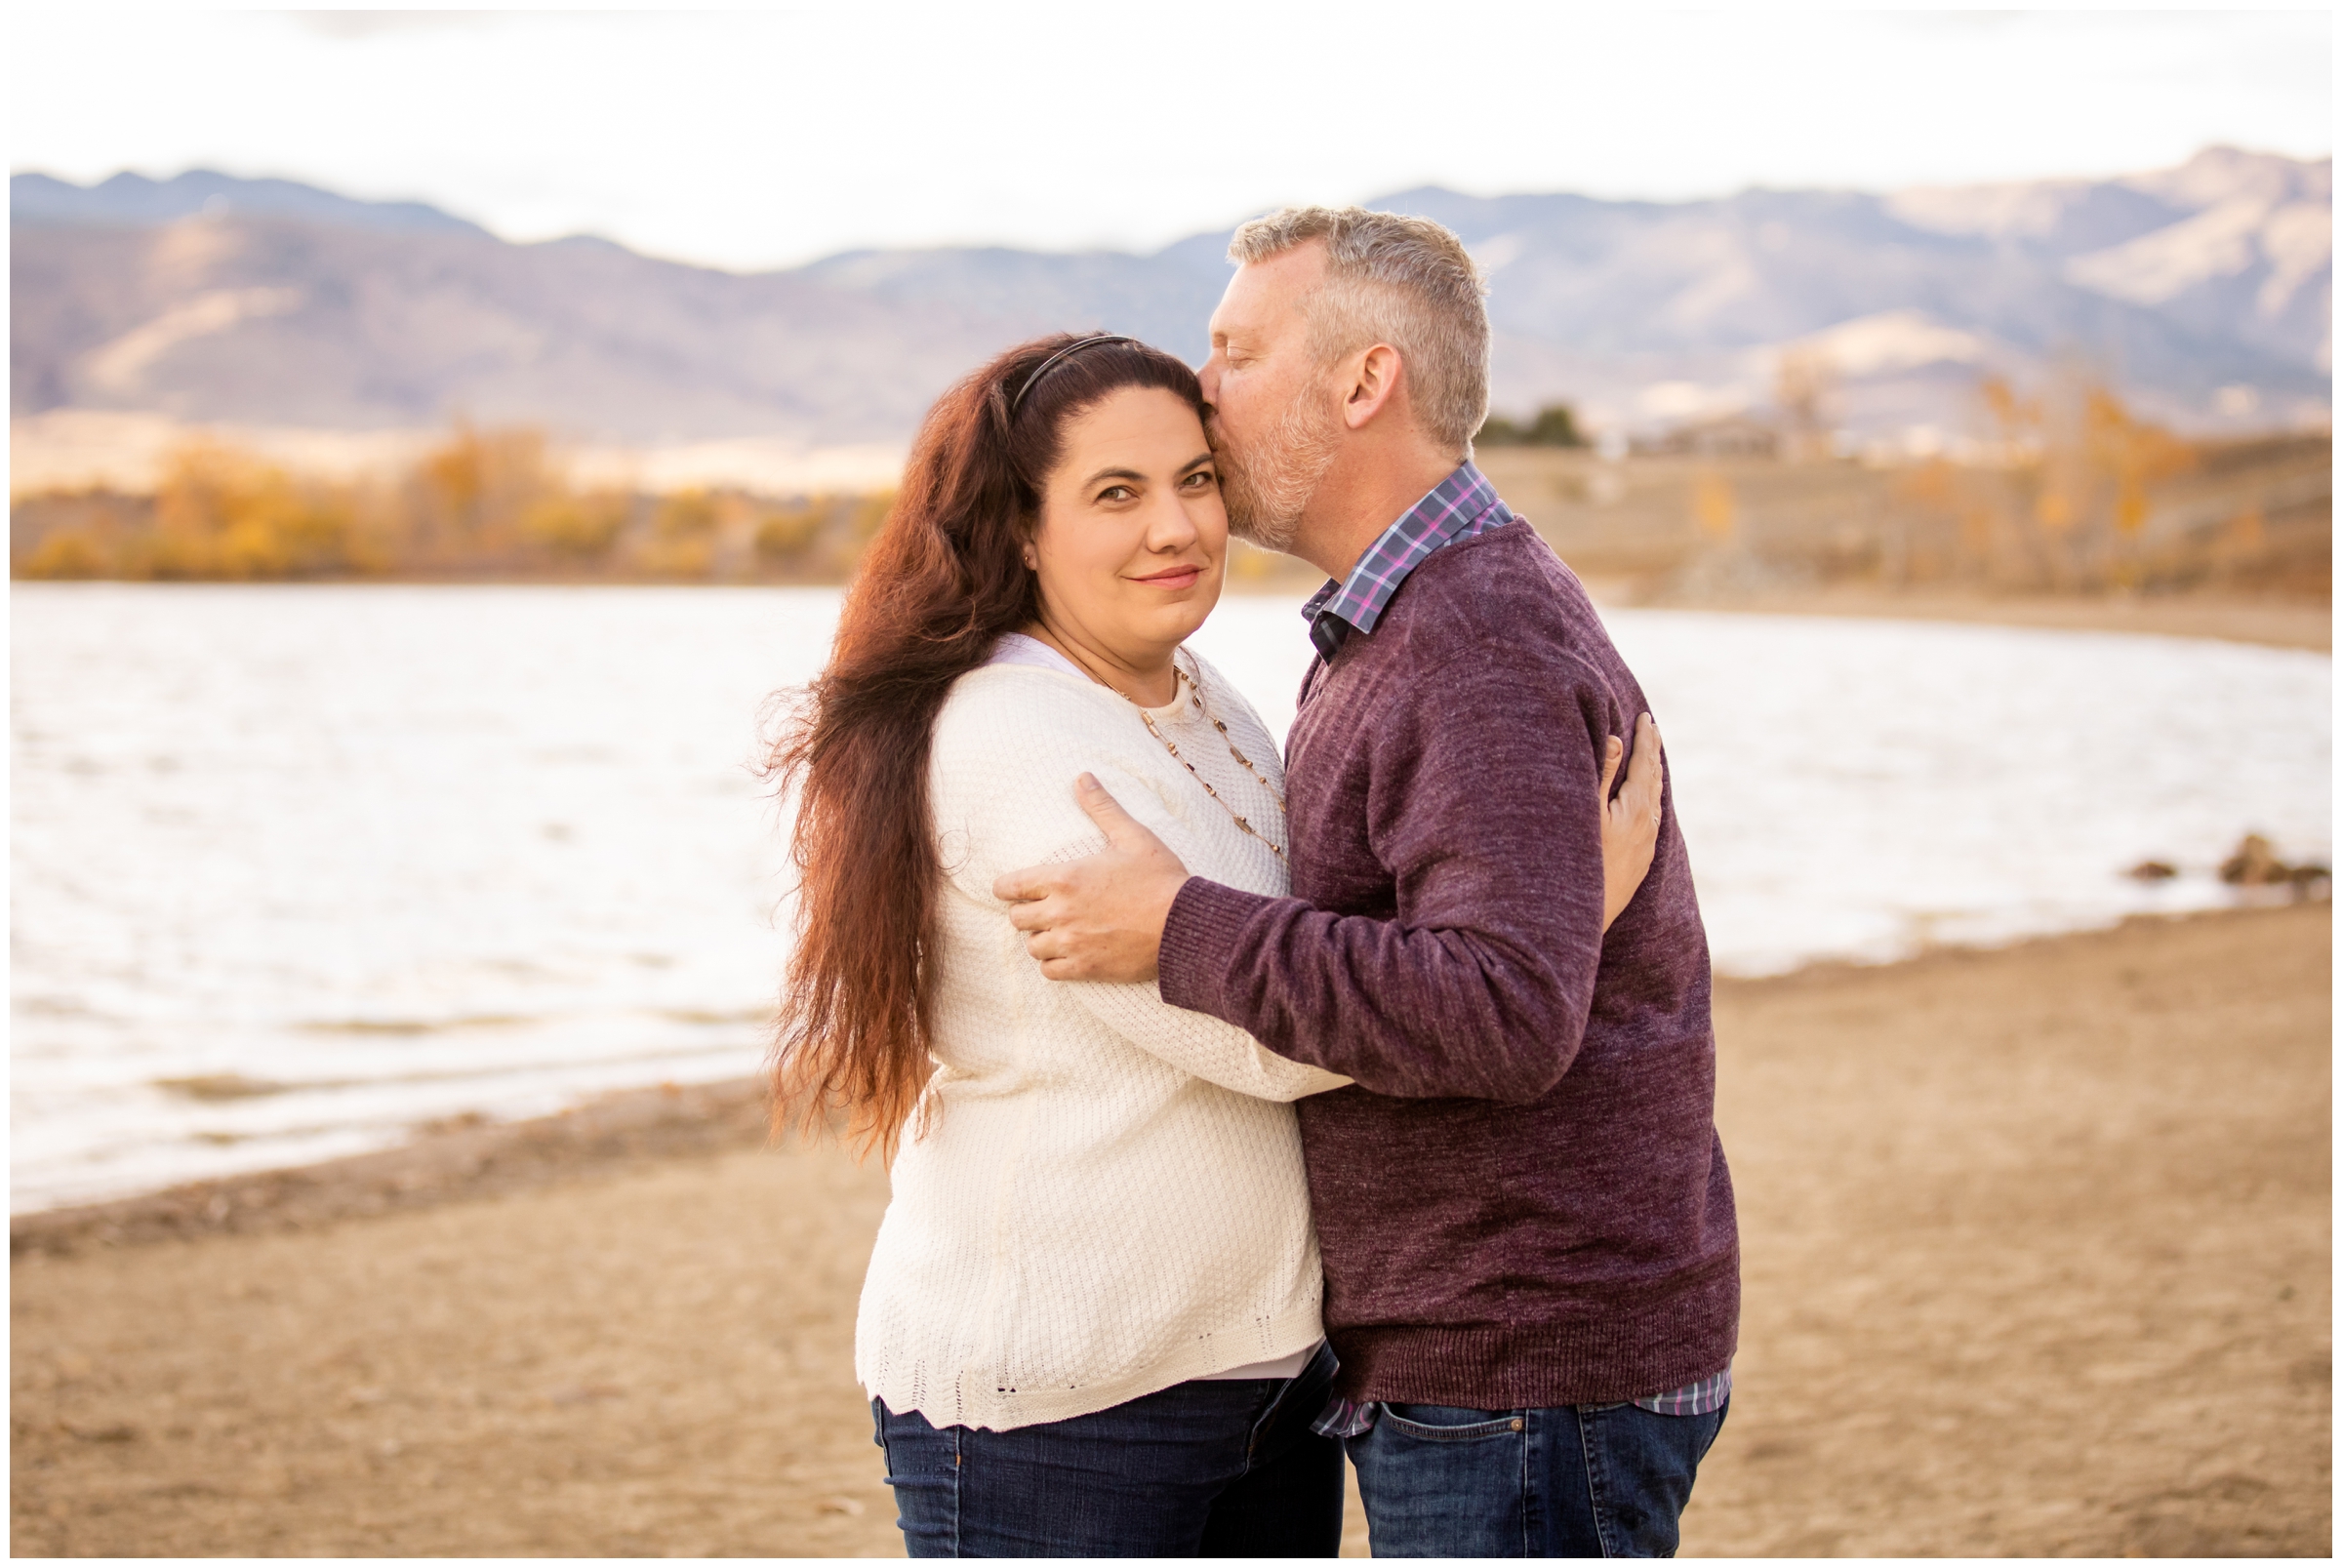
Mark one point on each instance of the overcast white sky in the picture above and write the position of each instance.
(759, 138)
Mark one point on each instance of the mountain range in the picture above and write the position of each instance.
(2204, 293)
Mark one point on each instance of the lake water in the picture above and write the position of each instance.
(295, 869)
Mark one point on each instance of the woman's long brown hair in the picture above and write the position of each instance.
(941, 583)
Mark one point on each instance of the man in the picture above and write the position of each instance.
(1531, 1261)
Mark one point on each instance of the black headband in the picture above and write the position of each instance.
(1049, 364)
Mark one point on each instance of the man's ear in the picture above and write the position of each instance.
(1374, 382)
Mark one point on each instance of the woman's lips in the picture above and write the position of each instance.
(1179, 577)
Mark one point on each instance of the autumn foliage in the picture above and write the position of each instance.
(2063, 503)
(484, 503)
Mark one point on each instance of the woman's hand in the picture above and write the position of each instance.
(1629, 823)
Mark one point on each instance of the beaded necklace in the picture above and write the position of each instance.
(1179, 678)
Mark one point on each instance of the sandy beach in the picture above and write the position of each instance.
(2038, 1254)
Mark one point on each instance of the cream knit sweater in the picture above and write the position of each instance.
(1109, 1197)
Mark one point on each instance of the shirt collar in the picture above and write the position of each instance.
(1462, 504)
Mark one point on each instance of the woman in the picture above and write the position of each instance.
(1090, 1325)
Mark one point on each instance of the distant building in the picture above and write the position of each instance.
(1731, 435)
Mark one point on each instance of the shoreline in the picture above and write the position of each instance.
(2264, 623)
(464, 1160)
(2274, 622)
(471, 1157)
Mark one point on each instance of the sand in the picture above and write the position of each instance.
(2036, 1250)
(2037, 1261)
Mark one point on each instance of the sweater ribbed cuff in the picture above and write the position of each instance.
(1201, 938)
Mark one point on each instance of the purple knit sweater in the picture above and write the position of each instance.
(1522, 1202)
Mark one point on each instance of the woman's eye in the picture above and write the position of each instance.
(1116, 492)
(1202, 479)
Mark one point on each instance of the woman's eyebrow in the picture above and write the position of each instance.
(1194, 463)
(1117, 474)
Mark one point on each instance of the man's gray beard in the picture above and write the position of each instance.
(1268, 484)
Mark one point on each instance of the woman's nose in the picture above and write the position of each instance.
(1168, 526)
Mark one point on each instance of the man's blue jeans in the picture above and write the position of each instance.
(1201, 1469)
(1574, 1481)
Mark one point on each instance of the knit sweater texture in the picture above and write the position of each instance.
(1108, 1196)
(1522, 1200)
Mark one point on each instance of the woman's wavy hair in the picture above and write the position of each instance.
(942, 581)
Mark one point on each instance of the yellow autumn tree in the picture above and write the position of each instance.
(224, 513)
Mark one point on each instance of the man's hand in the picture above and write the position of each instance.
(1100, 918)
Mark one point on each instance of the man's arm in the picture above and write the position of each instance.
(1484, 806)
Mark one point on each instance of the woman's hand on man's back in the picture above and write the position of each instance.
(1630, 818)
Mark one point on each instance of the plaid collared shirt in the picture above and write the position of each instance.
(1463, 506)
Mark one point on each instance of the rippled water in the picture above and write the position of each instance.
(296, 868)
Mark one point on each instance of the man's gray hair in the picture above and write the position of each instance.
(1403, 281)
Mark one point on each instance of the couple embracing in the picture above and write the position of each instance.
(1243, 1113)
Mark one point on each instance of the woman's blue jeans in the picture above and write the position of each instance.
(1201, 1469)
(1570, 1481)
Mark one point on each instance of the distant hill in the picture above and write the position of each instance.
(2204, 292)
(135, 201)
(271, 321)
